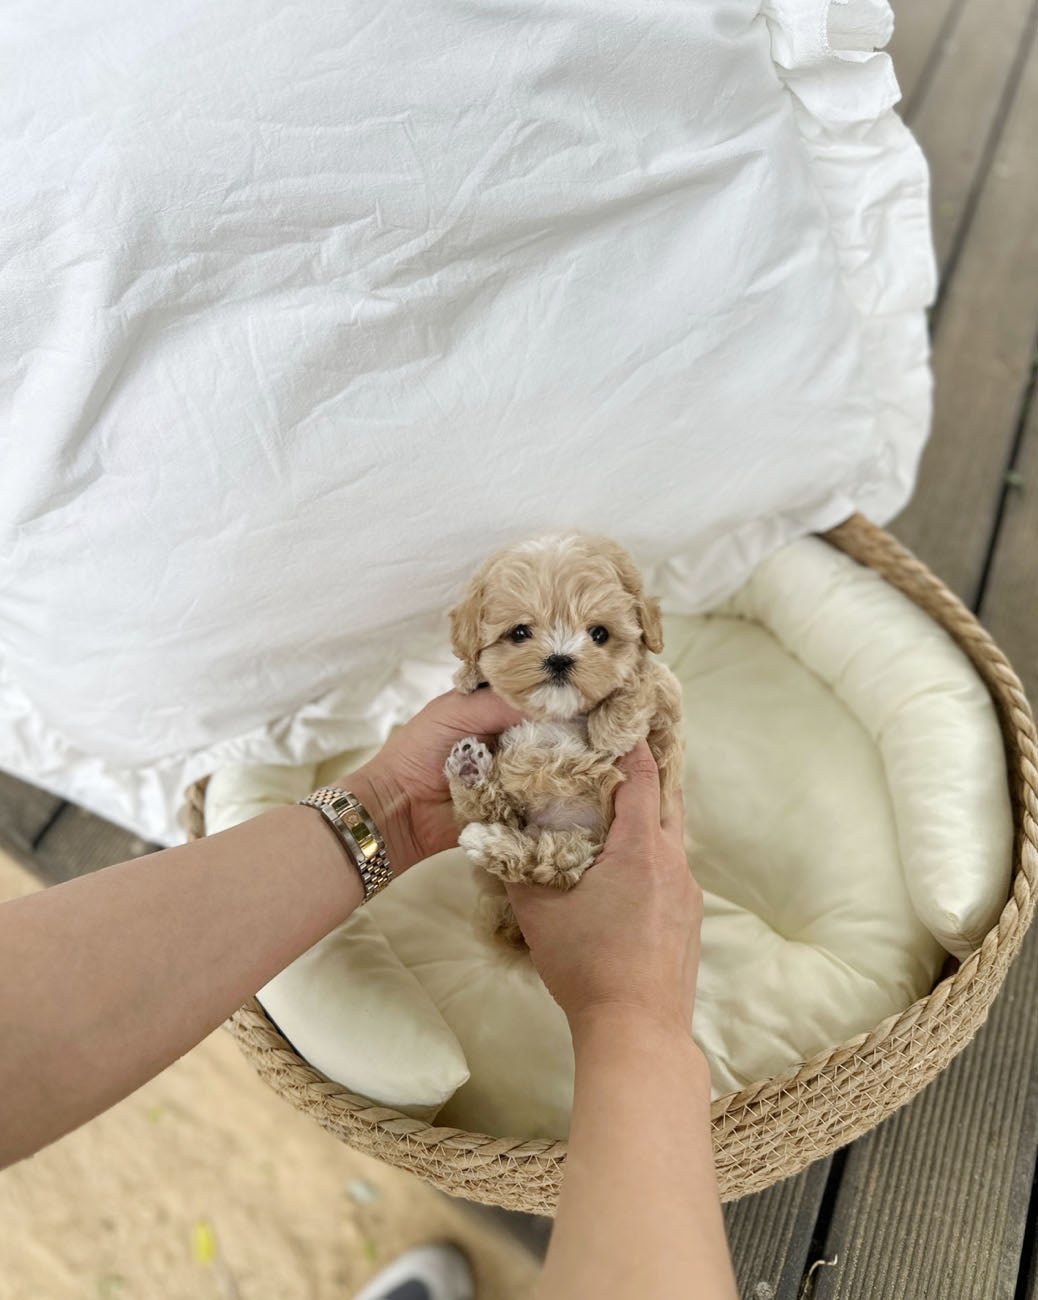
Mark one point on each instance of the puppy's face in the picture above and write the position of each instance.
(555, 625)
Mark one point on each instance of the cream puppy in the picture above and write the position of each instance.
(560, 626)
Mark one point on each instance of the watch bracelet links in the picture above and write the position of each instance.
(357, 833)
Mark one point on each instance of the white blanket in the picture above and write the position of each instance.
(303, 310)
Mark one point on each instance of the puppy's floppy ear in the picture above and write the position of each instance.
(649, 614)
(651, 618)
(465, 619)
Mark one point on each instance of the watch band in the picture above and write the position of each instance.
(357, 833)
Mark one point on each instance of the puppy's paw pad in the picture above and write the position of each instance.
(469, 762)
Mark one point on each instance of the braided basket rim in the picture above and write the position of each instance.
(776, 1126)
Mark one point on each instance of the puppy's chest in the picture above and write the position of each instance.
(549, 769)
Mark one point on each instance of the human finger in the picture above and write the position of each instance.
(636, 805)
(673, 815)
(481, 713)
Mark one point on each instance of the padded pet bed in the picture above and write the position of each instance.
(848, 782)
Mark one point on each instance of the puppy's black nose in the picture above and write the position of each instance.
(558, 665)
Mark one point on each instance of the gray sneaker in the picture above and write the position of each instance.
(436, 1272)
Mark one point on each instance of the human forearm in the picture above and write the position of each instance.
(639, 1214)
(107, 979)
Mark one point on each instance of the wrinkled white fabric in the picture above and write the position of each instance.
(301, 311)
(846, 791)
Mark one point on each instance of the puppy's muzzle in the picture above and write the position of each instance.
(558, 667)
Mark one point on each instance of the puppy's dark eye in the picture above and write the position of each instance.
(520, 633)
(599, 634)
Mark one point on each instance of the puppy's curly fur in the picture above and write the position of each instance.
(561, 627)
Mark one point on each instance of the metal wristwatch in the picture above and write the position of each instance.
(357, 833)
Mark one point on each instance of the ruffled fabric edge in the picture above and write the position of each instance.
(147, 800)
(874, 182)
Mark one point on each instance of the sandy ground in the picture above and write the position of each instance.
(204, 1185)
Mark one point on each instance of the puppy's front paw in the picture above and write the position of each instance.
(476, 840)
(468, 762)
(504, 852)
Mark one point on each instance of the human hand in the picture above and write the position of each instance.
(627, 936)
(404, 786)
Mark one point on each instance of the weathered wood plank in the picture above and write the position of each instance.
(933, 1203)
(78, 842)
(962, 106)
(982, 358)
(1010, 604)
(1010, 610)
(770, 1234)
(24, 811)
(919, 26)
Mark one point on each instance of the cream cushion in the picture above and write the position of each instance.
(846, 791)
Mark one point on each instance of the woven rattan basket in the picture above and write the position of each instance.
(774, 1128)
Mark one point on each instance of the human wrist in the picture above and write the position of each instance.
(314, 843)
(616, 1028)
(390, 810)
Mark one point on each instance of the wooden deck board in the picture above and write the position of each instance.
(961, 107)
(916, 46)
(933, 1202)
(982, 357)
(770, 1234)
(1010, 610)
(24, 811)
(1010, 602)
(78, 842)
